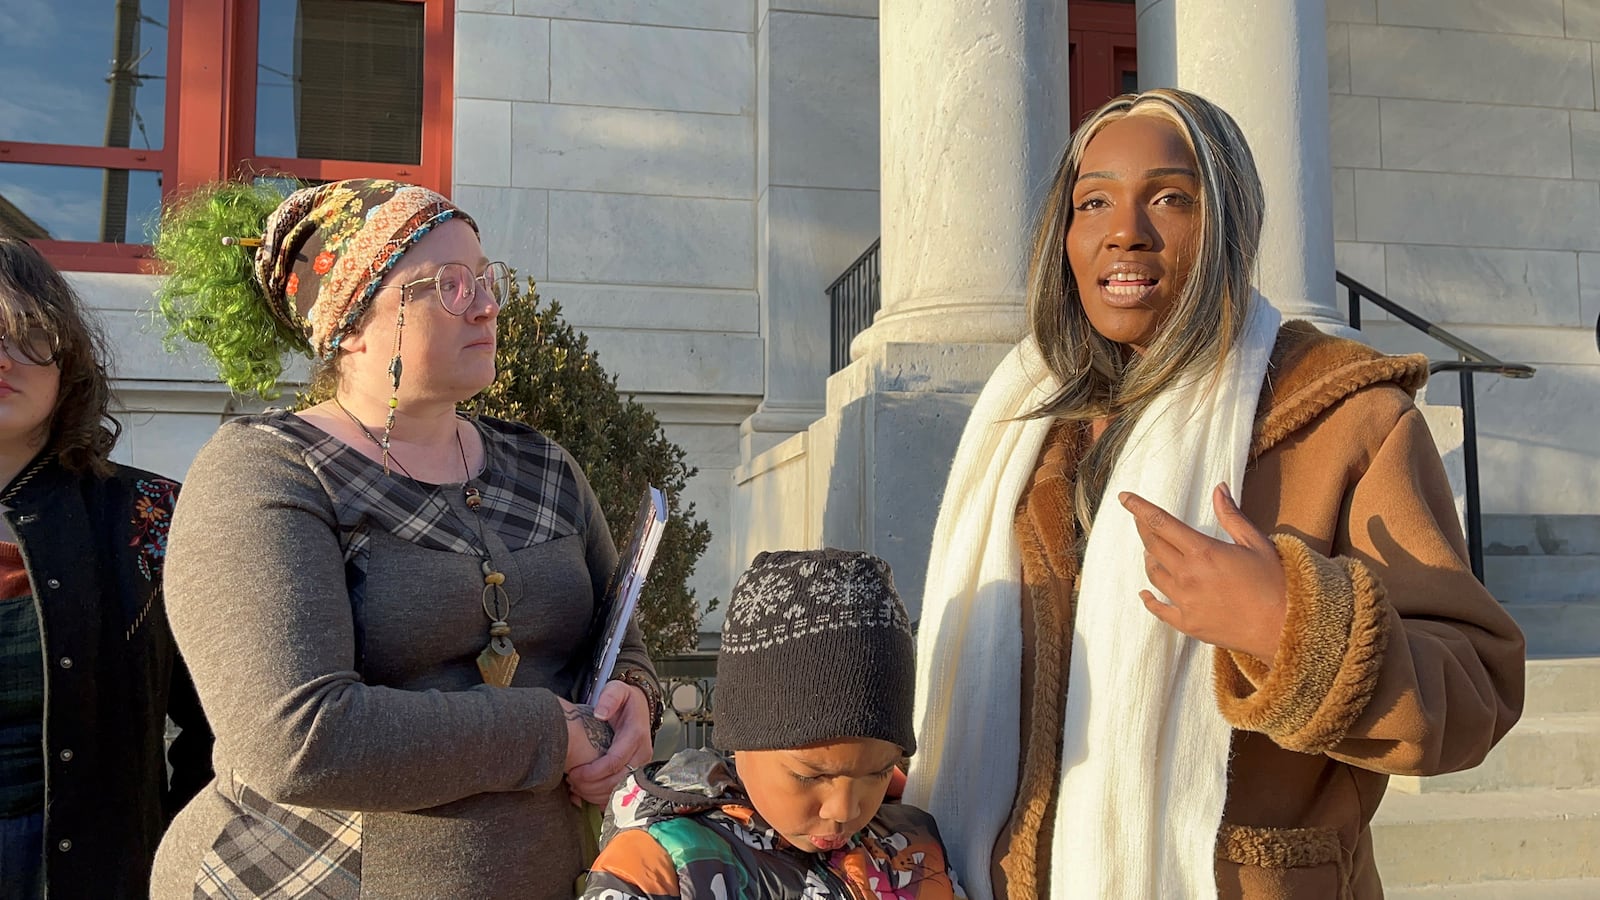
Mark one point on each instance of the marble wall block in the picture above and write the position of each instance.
(586, 148)
(1534, 17)
(1583, 20)
(631, 239)
(1495, 287)
(483, 142)
(1353, 131)
(1585, 145)
(680, 362)
(1359, 11)
(1344, 205)
(716, 15)
(502, 7)
(1430, 64)
(1477, 210)
(513, 224)
(502, 57)
(643, 67)
(1588, 288)
(1469, 137)
(860, 8)
(621, 307)
(1338, 58)
(822, 118)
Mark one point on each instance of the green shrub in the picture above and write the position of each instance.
(550, 379)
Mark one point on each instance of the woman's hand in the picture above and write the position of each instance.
(588, 736)
(1230, 595)
(626, 709)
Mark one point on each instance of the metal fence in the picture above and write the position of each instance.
(688, 683)
(854, 298)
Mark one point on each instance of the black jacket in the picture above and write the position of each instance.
(94, 549)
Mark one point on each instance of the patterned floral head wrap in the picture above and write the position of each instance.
(327, 247)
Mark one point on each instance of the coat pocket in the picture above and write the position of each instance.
(275, 851)
(1259, 863)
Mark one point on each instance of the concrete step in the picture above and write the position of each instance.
(1537, 535)
(1563, 889)
(1563, 685)
(1515, 580)
(1464, 839)
(1559, 629)
(1558, 751)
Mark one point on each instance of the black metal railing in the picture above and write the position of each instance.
(1470, 362)
(854, 298)
(688, 683)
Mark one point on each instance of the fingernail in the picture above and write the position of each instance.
(1227, 491)
(1123, 498)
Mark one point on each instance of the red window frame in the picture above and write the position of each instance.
(210, 122)
(1103, 45)
(438, 86)
(103, 256)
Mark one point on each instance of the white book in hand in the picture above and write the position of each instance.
(616, 608)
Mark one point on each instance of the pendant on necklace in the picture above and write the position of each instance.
(474, 499)
(498, 661)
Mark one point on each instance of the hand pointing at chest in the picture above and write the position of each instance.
(1231, 595)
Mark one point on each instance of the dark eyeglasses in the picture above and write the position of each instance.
(457, 286)
(36, 346)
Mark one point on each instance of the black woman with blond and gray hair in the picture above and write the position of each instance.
(1198, 584)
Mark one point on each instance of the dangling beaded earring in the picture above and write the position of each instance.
(394, 382)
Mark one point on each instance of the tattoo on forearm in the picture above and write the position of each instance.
(598, 731)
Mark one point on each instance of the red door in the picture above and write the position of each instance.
(1103, 52)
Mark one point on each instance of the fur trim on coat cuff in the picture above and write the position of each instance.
(1326, 667)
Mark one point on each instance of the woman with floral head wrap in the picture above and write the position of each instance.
(384, 603)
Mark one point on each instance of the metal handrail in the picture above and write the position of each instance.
(1472, 362)
(853, 299)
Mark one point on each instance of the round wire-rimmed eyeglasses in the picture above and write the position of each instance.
(457, 285)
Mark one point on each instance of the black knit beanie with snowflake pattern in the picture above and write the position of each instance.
(816, 647)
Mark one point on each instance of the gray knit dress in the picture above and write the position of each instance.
(332, 617)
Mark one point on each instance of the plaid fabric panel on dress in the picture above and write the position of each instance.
(273, 851)
(530, 494)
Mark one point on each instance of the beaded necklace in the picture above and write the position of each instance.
(498, 661)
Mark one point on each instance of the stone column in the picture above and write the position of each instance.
(975, 113)
(1267, 65)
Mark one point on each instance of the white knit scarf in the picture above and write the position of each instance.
(1145, 755)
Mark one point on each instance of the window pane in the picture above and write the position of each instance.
(340, 79)
(89, 72)
(68, 203)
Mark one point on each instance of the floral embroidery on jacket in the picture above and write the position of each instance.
(152, 515)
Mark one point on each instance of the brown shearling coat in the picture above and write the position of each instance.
(1394, 659)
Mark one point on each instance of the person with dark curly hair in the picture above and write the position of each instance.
(386, 604)
(89, 671)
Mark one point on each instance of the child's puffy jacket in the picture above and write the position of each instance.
(685, 829)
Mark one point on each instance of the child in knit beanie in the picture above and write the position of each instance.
(814, 699)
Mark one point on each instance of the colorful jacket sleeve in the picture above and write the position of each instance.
(633, 866)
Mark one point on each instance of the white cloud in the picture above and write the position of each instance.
(27, 23)
(69, 217)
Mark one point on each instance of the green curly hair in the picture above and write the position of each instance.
(211, 297)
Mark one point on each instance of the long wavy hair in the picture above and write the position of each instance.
(33, 293)
(1103, 379)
